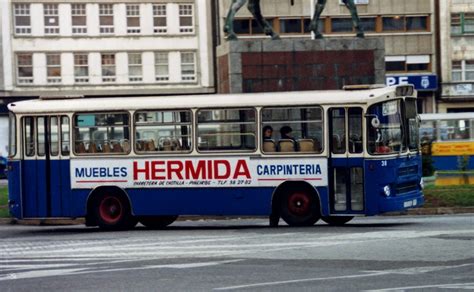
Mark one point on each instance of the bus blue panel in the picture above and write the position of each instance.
(65, 189)
(324, 200)
(55, 188)
(14, 189)
(29, 188)
(401, 176)
(450, 162)
(41, 187)
(201, 201)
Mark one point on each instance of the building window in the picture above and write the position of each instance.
(456, 71)
(462, 70)
(186, 18)
(133, 18)
(106, 18)
(341, 25)
(135, 72)
(81, 68)
(22, 19)
(53, 65)
(161, 67)
(108, 67)
(188, 66)
(287, 26)
(248, 26)
(405, 23)
(159, 18)
(368, 24)
(25, 68)
(51, 19)
(79, 18)
(291, 25)
(462, 23)
(419, 63)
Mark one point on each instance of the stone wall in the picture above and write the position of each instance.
(299, 64)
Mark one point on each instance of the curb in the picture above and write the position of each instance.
(81, 221)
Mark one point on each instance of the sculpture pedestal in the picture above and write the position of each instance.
(265, 65)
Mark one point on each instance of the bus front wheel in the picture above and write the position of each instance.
(157, 222)
(299, 208)
(337, 220)
(113, 212)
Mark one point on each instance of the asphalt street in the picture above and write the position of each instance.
(406, 253)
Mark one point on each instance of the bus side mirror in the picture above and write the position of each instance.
(375, 122)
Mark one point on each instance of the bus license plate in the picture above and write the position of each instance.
(410, 203)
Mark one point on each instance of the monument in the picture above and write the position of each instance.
(318, 9)
(254, 8)
(263, 65)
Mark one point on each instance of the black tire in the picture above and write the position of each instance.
(337, 220)
(112, 211)
(157, 222)
(299, 208)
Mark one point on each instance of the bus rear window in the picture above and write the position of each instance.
(106, 133)
(226, 129)
(11, 135)
(163, 131)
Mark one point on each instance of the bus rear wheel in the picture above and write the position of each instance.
(157, 222)
(113, 212)
(337, 220)
(299, 208)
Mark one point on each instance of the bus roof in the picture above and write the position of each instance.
(447, 116)
(203, 101)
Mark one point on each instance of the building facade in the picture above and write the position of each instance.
(407, 27)
(457, 55)
(71, 47)
(103, 48)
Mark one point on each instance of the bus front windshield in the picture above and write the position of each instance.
(385, 130)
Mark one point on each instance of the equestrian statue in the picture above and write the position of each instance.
(254, 8)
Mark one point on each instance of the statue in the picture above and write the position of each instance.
(313, 26)
(254, 7)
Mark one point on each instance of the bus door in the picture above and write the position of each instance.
(41, 170)
(346, 164)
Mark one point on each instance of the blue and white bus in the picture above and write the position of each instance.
(118, 161)
(450, 137)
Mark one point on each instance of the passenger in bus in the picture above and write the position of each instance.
(383, 149)
(286, 140)
(268, 142)
(267, 133)
(286, 133)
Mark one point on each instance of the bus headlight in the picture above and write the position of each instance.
(387, 191)
(422, 183)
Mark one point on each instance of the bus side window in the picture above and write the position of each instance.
(355, 130)
(53, 136)
(29, 135)
(65, 136)
(338, 120)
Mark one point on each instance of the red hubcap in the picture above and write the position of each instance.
(299, 204)
(110, 209)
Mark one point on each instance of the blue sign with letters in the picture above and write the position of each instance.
(427, 82)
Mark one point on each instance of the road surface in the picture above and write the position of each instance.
(380, 253)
